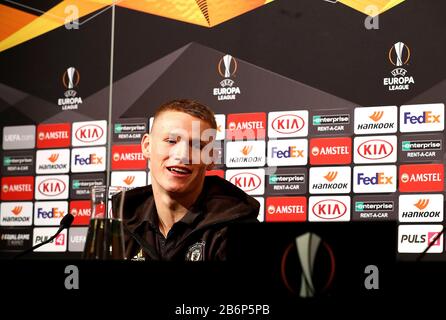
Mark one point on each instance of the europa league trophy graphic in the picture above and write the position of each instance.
(227, 62)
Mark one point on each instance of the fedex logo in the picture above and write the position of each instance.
(88, 159)
(371, 179)
(89, 133)
(288, 124)
(49, 213)
(91, 159)
(251, 181)
(290, 152)
(422, 117)
(425, 117)
(377, 149)
(378, 178)
(287, 152)
(416, 238)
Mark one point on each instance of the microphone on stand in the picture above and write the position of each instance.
(65, 223)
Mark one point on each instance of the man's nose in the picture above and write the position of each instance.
(181, 152)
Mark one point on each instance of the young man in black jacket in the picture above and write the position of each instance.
(183, 214)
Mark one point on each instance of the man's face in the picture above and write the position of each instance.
(178, 148)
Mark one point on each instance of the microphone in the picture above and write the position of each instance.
(430, 245)
(65, 223)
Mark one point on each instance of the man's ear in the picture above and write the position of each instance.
(146, 145)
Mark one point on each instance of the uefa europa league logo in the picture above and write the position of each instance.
(227, 62)
(399, 54)
(229, 65)
(70, 73)
(70, 79)
(311, 271)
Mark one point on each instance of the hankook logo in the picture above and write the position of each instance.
(376, 116)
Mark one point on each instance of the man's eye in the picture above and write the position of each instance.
(171, 141)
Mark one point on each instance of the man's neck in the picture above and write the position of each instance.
(171, 208)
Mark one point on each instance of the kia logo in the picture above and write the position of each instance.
(89, 133)
(246, 181)
(51, 187)
(288, 124)
(329, 209)
(375, 149)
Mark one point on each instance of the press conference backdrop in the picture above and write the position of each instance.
(324, 114)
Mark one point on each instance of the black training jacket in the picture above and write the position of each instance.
(201, 235)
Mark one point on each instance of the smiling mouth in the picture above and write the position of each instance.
(179, 170)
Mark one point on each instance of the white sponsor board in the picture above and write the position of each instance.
(242, 154)
(16, 214)
(421, 208)
(53, 161)
(288, 124)
(290, 152)
(329, 208)
(59, 244)
(422, 117)
(371, 120)
(329, 180)
(416, 238)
